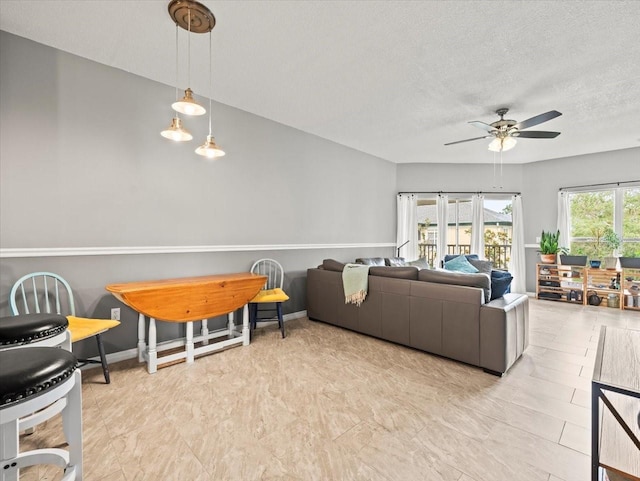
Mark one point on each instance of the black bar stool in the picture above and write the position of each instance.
(34, 330)
(36, 383)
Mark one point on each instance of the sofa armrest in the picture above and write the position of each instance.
(504, 331)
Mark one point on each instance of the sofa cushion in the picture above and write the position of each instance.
(419, 263)
(332, 265)
(408, 272)
(394, 261)
(500, 283)
(370, 261)
(460, 264)
(483, 266)
(483, 281)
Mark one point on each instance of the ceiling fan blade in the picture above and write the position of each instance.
(469, 140)
(538, 119)
(536, 134)
(483, 126)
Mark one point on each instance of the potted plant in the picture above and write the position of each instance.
(549, 246)
(612, 241)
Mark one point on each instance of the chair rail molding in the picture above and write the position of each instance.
(6, 253)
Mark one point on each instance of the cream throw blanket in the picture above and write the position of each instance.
(355, 280)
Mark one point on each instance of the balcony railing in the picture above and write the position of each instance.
(500, 255)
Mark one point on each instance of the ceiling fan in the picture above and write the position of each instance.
(505, 132)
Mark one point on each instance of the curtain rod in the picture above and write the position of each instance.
(462, 192)
(605, 184)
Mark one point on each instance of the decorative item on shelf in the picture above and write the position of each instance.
(612, 241)
(193, 17)
(549, 247)
(630, 262)
(570, 260)
(595, 264)
(593, 298)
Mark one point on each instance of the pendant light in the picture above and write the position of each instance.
(176, 131)
(187, 105)
(210, 149)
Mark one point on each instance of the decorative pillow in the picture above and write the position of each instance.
(460, 264)
(448, 257)
(500, 283)
(483, 266)
(419, 263)
(370, 261)
(395, 261)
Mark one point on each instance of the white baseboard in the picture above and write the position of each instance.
(163, 346)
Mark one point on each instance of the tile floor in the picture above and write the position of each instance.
(330, 404)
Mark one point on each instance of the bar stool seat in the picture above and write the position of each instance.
(36, 383)
(18, 331)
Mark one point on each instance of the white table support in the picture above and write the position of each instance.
(148, 348)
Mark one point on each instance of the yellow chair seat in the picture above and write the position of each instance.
(82, 327)
(270, 295)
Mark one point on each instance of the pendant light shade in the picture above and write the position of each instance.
(187, 105)
(210, 149)
(176, 131)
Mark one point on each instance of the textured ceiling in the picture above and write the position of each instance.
(394, 79)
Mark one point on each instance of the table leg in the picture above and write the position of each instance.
(231, 324)
(595, 431)
(189, 343)
(245, 325)
(204, 331)
(141, 338)
(152, 353)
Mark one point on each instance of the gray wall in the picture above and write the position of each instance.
(83, 164)
(537, 181)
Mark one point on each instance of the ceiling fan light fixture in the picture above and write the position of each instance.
(176, 131)
(187, 105)
(502, 144)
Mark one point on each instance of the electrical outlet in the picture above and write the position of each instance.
(538, 240)
(115, 313)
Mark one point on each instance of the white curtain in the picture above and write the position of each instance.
(442, 203)
(477, 225)
(564, 220)
(517, 264)
(407, 226)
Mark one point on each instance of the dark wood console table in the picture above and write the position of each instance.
(615, 404)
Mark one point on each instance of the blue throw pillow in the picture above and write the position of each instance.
(469, 257)
(460, 264)
(500, 283)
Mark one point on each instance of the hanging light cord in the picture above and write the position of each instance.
(210, 82)
(189, 53)
(176, 65)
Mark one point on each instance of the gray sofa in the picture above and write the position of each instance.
(443, 313)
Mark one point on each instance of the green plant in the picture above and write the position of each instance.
(549, 242)
(611, 239)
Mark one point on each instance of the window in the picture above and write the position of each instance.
(631, 222)
(497, 225)
(595, 214)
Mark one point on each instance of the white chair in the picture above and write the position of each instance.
(271, 293)
(56, 296)
(37, 383)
